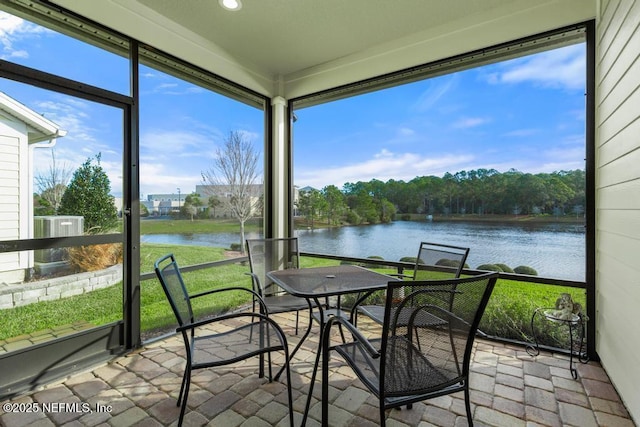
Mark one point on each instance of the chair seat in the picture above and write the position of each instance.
(246, 333)
(435, 261)
(425, 347)
(376, 313)
(408, 374)
(329, 313)
(234, 345)
(285, 302)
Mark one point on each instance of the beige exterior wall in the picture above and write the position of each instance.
(618, 195)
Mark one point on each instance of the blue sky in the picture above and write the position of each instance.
(526, 114)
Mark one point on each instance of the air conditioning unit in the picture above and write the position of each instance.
(55, 226)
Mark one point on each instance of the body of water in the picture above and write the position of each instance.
(553, 250)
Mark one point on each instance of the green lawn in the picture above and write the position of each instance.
(509, 311)
(197, 226)
(105, 305)
(508, 314)
(510, 308)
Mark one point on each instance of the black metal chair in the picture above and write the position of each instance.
(248, 334)
(425, 355)
(434, 261)
(275, 254)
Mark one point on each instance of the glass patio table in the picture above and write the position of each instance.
(324, 282)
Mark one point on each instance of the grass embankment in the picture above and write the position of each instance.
(508, 314)
(512, 304)
(197, 226)
(510, 308)
(545, 219)
(302, 223)
(105, 305)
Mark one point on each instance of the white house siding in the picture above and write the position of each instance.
(10, 153)
(618, 195)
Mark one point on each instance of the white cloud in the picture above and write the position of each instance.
(14, 29)
(436, 89)
(558, 68)
(21, 54)
(567, 154)
(176, 158)
(176, 89)
(384, 165)
(406, 132)
(176, 142)
(72, 115)
(470, 122)
(159, 178)
(519, 133)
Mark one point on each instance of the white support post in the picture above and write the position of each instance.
(280, 168)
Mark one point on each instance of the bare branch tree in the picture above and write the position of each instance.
(235, 171)
(52, 184)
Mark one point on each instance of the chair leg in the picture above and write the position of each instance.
(261, 365)
(344, 341)
(185, 383)
(289, 392)
(270, 368)
(383, 421)
(184, 380)
(261, 356)
(467, 405)
(297, 318)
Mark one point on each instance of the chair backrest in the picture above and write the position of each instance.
(170, 278)
(427, 336)
(443, 261)
(271, 254)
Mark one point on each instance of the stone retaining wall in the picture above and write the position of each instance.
(14, 295)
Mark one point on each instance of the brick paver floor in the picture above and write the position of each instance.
(508, 388)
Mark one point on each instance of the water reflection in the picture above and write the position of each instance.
(554, 250)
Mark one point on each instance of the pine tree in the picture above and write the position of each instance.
(88, 195)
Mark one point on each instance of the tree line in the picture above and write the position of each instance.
(478, 192)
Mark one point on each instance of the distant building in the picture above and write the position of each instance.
(164, 204)
(307, 189)
(223, 194)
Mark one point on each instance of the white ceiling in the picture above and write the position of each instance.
(279, 38)
(295, 47)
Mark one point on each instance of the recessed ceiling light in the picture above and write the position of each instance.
(230, 4)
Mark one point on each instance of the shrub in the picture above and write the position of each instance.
(523, 269)
(88, 195)
(489, 267)
(236, 247)
(405, 217)
(448, 262)
(94, 257)
(353, 218)
(410, 259)
(505, 268)
(373, 265)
